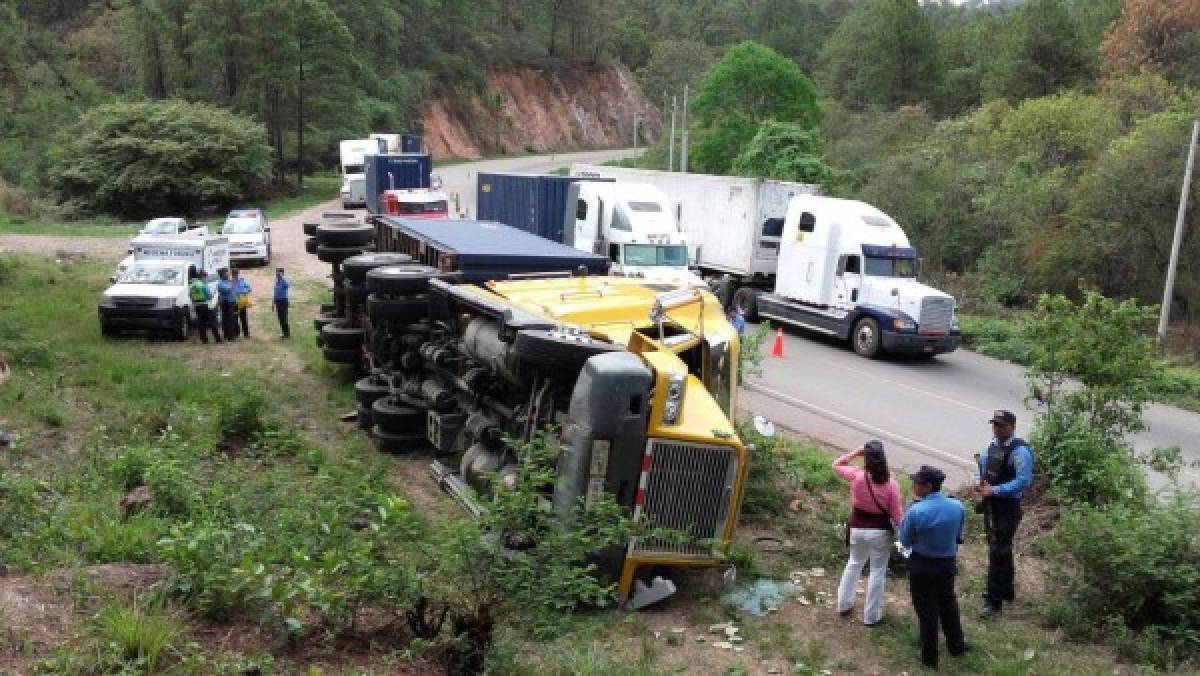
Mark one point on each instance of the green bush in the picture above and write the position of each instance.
(1147, 555)
(240, 415)
(159, 158)
(999, 338)
(206, 559)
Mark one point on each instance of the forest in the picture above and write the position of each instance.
(1026, 146)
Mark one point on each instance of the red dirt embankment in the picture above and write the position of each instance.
(530, 110)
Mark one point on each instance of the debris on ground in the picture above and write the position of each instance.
(761, 597)
(136, 500)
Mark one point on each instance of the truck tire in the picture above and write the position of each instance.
(345, 234)
(865, 338)
(327, 309)
(320, 322)
(310, 245)
(367, 390)
(342, 337)
(340, 356)
(396, 418)
(558, 351)
(397, 443)
(108, 330)
(356, 267)
(336, 254)
(356, 294)
(310, 229)
(363, 417)
(745, 300)
(404, 310)
(400, 280)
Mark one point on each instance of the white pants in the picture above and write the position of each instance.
(866, 543)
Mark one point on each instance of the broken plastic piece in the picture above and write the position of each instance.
(645, 595)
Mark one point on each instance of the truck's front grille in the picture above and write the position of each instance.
(134, 301)
(689, 489)
(937, 313)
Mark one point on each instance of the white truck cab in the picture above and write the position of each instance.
(633, 224)
(353, 162)
(151, 292)
(848, 269)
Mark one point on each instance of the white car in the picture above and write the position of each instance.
(249, 235)
(167, 227)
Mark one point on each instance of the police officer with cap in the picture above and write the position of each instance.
(1005, 472)
(933, 529)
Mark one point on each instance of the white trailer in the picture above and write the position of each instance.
(732, 223)
(353, 159)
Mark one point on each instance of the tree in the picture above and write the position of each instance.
(155, 158)
(1040, 52)
(786, 152)
(751, 85)
(884, 53)
(1156, 35)
(672, 64)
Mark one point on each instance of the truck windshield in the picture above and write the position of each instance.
(890, 267)
(672, 255)
(437, 206)
(142, 273)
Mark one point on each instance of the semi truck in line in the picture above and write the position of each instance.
(475, 336)
(353, 155)
(403, 184)
(630, 223)
(777, 250)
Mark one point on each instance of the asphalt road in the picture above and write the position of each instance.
(926, 411)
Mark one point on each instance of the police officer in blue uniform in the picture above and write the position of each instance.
(1005, 472)
(933, 529)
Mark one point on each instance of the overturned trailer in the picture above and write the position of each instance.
(474, 339)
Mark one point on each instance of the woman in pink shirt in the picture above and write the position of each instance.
(875, 513)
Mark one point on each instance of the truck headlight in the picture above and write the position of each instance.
(675, 385)
(904, 325)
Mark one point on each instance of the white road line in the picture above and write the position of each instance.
(860, 425)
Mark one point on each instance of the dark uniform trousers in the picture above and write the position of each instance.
(1003, 517)
(931, 583)
(281, 311)
(229, 321)
(207, 322)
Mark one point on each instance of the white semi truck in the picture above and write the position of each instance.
(775, 249)
(354, 181)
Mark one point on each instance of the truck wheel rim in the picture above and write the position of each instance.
(865, 337)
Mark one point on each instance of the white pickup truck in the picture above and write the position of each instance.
(151, 293)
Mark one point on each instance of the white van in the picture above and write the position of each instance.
(249, 236)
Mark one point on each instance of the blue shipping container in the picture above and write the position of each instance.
(410, 143)
(395, 172)
(535, 203)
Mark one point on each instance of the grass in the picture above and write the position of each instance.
(318, 188)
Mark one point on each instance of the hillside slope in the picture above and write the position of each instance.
(530, 110)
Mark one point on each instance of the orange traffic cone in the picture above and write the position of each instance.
(777, 348)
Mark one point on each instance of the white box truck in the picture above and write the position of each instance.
(354, 180)
(151, 293)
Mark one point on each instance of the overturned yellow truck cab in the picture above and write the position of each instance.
(640, 380)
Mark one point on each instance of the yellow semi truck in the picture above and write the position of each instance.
(637, 380)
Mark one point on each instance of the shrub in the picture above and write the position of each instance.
(159, 157)
(205, 558)
(1148, 555)
(240, 415)
(137, 639)
(999, 338)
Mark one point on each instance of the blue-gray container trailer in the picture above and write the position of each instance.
(535, 203)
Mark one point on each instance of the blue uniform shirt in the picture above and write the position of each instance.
(933, 526)
(281, 288)
(739, 323)
(225, 292)
(1021, 460)
(243, 287)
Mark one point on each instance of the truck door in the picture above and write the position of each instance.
(849, 279)
(587, 223)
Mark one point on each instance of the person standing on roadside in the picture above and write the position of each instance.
(737, 319)
(875, 512)
(227, 300)
(279, 301)
(932, 529)
(1005, 472)
(241, 291)
(201, 296)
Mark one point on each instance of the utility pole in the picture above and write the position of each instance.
(671, 140)
(635, 121)
(1165, 312)
(683, 154)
